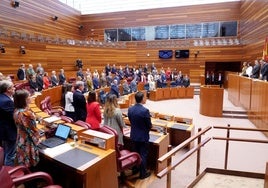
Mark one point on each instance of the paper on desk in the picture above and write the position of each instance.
(52, 152)
(51, 119)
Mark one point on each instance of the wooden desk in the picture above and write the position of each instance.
(166, 93)
(81, 166)
(179, 132)
(158, 147)
(211, 101)
(42, 115)
(35, 109)
(156, 95)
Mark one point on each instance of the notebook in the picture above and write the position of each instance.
(59, 138)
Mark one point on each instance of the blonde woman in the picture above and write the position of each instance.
(89, 83)
(113, 116)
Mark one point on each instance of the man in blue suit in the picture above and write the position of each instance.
(8, 129)
(140, 121)
(114, 89)
(79, 102)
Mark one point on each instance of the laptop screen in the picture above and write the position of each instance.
(63, 131)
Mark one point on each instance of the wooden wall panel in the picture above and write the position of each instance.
(253, 27)
(36, 17)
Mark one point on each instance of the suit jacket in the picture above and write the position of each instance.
(54, 81)
(21, 74)
(8, 129)
(256, 71)
(79, 103)
(133, 86)
(96, 83)
(62, 79)
(126, 89)
(140, 121)
(114, 90)
(40, 82)
(93, 115)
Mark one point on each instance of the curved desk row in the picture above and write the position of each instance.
(76, 165)
(171, 93)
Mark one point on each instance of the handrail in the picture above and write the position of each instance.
(227, 138)
(240, 128)
(241, 140)
(182, 145)
(174, 164)
(183, 158)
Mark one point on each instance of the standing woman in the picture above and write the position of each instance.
(93, 111)
(69, 108)
(113, 116)
(27, 152)
(46, 80)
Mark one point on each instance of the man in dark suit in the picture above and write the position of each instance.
(79, 102)
(62, 78)
(8, 129)
(264, 70)
(21, 74)
(256, 70)
(96, 82)
(140, 121)
(54, 79)
(39, 81)
(114, 89)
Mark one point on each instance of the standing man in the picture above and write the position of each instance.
(21, 74)
(140, 121)
(8, 129)
(79, 102)
(62, 78)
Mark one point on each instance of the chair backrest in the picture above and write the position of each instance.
(48, 101)
(67, 119)
(43, 105)
(125, 158)
(5, 179)
(83, 124)
(109, 130)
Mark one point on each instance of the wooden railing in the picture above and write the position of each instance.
(168, 156)
(237, 139)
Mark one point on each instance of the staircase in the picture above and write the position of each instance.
(196, 87)
(234, 114)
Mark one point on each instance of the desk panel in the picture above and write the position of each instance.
(158, 147)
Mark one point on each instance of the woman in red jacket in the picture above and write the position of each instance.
(93, 111)
(46, 80)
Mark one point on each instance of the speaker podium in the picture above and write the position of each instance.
(211, 100)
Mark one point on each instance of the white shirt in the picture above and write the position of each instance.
(68, 102)
(249, 71)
